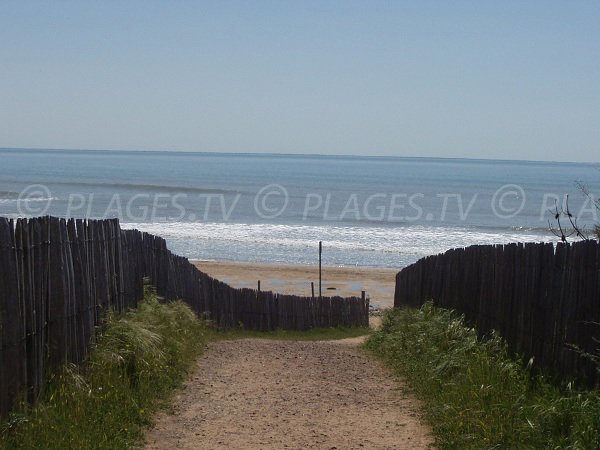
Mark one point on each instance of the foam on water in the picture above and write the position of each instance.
(385, 212)
(363, 246)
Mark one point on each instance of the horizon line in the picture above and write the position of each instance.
(332, 155)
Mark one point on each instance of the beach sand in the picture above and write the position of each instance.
(378, 283)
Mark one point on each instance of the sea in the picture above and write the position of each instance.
(275, 208)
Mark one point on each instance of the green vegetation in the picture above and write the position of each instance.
(475, 396)
(315, 334)
(140, 357)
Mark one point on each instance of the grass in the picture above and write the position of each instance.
(314, 334)
(140, 358)
(474, 394)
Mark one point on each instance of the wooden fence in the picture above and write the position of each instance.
(543, 299)
(59, 277)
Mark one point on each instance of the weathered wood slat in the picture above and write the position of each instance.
(11, 376)
(543, 299)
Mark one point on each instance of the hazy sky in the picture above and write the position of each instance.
(483, 79)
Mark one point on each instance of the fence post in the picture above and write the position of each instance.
(320, 278)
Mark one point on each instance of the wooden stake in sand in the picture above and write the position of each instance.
(320, 252)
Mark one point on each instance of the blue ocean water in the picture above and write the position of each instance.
(368, 211)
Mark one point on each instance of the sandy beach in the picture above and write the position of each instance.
(295, 279)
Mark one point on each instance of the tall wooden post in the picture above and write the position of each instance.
(320, 278)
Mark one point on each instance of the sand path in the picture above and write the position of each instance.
(266, 394)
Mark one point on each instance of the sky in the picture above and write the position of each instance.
(475, 79)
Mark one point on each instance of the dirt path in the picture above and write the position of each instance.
(265, 394)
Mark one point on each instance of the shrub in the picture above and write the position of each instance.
(475, 395)
(139, 358)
